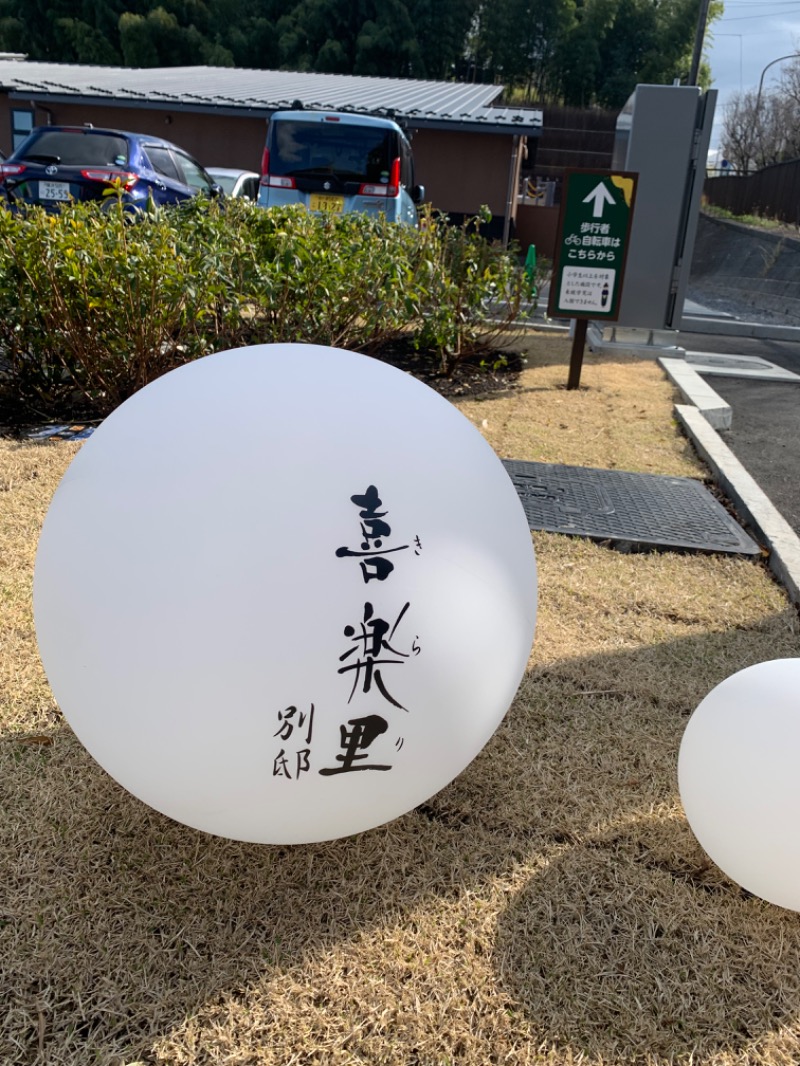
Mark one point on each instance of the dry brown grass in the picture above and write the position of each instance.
(550, 907)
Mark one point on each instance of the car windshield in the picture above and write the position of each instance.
(227, 181)
(76, 148)
(353, 153)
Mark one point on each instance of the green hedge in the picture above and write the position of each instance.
(95, 302)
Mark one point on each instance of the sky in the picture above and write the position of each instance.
(750, 34)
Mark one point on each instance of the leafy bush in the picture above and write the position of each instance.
(93, 306)
(95, 303)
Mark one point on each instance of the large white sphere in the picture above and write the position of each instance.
(739, 779)
(285, 593)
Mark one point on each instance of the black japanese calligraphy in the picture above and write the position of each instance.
(371, 642)
(354, 743)
(374, 531)
(297, 726)
(374, 647)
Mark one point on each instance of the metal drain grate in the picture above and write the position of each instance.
(632, 510)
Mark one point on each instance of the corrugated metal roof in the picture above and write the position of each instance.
(420, 104)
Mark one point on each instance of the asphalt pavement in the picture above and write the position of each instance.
(743, 417)
(765, 424)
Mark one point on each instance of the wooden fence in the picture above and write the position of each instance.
(773, 192)
(571, 137)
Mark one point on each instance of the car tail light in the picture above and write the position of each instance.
(392, 189)
(124, 177)
(275, 181)
(10, 170)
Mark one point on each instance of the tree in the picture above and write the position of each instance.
(517, 42)
(758, 131)
(13, 34)
(387, 45)
(583, 52)
(82, 43)
(580, 58)
(789, 87)
(143, 36)
(617, 44)
(739, 132)
(441, 28)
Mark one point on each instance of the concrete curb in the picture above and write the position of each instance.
(695, 390)
(735, 327)
(751, 503)
(642, 343)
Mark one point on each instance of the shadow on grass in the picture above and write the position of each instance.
(632, 944)
(118, 924)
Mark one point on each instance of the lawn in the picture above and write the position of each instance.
(549, 907)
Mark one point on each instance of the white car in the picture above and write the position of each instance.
(236, 182)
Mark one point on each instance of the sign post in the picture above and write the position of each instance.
(593, 232)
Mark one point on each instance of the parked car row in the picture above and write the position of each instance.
(327, 161)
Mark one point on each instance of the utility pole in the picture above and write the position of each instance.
(697, 55)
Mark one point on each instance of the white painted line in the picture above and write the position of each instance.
(739, 366)
(752, 504)
(698, 392)
(754, 362)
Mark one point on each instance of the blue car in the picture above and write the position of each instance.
(55, 165)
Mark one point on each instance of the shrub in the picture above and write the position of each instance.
(95, 303)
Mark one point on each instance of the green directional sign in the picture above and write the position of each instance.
(595, 221)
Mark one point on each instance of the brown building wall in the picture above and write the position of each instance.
(462, 171)
(537, 226)
(214, 140)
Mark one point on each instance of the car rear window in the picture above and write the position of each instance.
(353, 153)
(78, 148)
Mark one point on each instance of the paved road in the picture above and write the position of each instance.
(765, 431)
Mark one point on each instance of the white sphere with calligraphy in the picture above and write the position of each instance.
(285, 593)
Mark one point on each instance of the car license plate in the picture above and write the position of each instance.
(331, 204)
(54, 190)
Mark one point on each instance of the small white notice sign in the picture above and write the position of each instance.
(586, 289)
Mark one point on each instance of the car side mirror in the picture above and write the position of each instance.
(418, 194)
(217, 191)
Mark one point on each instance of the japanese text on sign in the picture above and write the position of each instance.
(596, 215)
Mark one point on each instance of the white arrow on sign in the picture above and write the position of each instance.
(601, 197)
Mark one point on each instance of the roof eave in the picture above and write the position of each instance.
(511, 128)
(408, 121)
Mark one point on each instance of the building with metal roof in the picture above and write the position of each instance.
(468, 148)
(424, 104)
